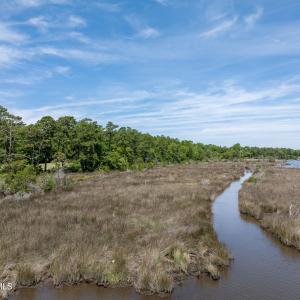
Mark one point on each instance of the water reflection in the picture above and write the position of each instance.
(293, 164)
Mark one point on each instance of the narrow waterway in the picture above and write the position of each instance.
(293, 164)
(262, 268)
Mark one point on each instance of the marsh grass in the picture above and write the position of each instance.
(25, 275)
(272, 196)
(149, 229)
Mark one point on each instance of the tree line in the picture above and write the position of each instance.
(84, 145)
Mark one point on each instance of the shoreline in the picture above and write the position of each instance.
(274, 206)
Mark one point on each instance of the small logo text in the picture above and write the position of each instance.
(6, 286)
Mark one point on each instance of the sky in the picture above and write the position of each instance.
(211, 71)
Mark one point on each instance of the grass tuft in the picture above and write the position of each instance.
(25, 276)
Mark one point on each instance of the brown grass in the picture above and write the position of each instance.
(272, 196)
(148, 229)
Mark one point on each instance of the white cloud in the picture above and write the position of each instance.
(142, 30)
(227, 109)
(86, 56)
(30, 3)
(9, 56)
(39, 22)
(224, 113)
(36, 76)
(251, 19)
(162, 2)
(76, 21)
(75, 107)
(43, 24)
(215, 10)
(62, 70)
(222, 27)
(79, 36)
(109, 7)
(149, 32)
(9, 35)
(35, 3)
(9, 94)
(17, 80)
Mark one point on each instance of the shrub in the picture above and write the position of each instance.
(140, 166)
(47, 182)
(105, 168)
(67, 183)
(252, 179)
(20, 180)
(14, 166)
(115, 161)
(89, 162)
(74, 166)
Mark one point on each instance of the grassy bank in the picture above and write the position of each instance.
(272, 196)
(148, 229)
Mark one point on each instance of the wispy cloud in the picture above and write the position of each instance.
(215, 10)
(32, 115)
(9, 94)
(40, 45)
(9, 56)
(79, 36)
(62, 70)
(149, 32)
(44, 24)
(36, 76)
(35, 3)
(224, 109)
(39, 22)
(9, 35)
(76, 21)
(86, 56)
(143, 31)
(220, 28)
(109, 7)
(162, 2)
(251, 19)
(15, 7)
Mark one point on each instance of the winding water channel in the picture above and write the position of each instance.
(262, 268)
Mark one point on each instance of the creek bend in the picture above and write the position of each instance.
(262, 269)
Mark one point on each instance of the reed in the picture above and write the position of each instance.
(148, 229)
(271, 196)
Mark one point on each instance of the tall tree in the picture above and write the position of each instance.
(46, 129)
(110, 131)
(89, 144)
(64, 136)
(9, 126)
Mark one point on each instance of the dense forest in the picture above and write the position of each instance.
(84, 145)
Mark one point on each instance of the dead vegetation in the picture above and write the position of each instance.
(147, 229)
(272, 196)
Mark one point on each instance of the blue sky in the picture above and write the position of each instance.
(213, 71)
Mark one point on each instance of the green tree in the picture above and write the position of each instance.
(110, 130)
(64, 136)
(46, 129)
(9, 127)
(89, 144)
